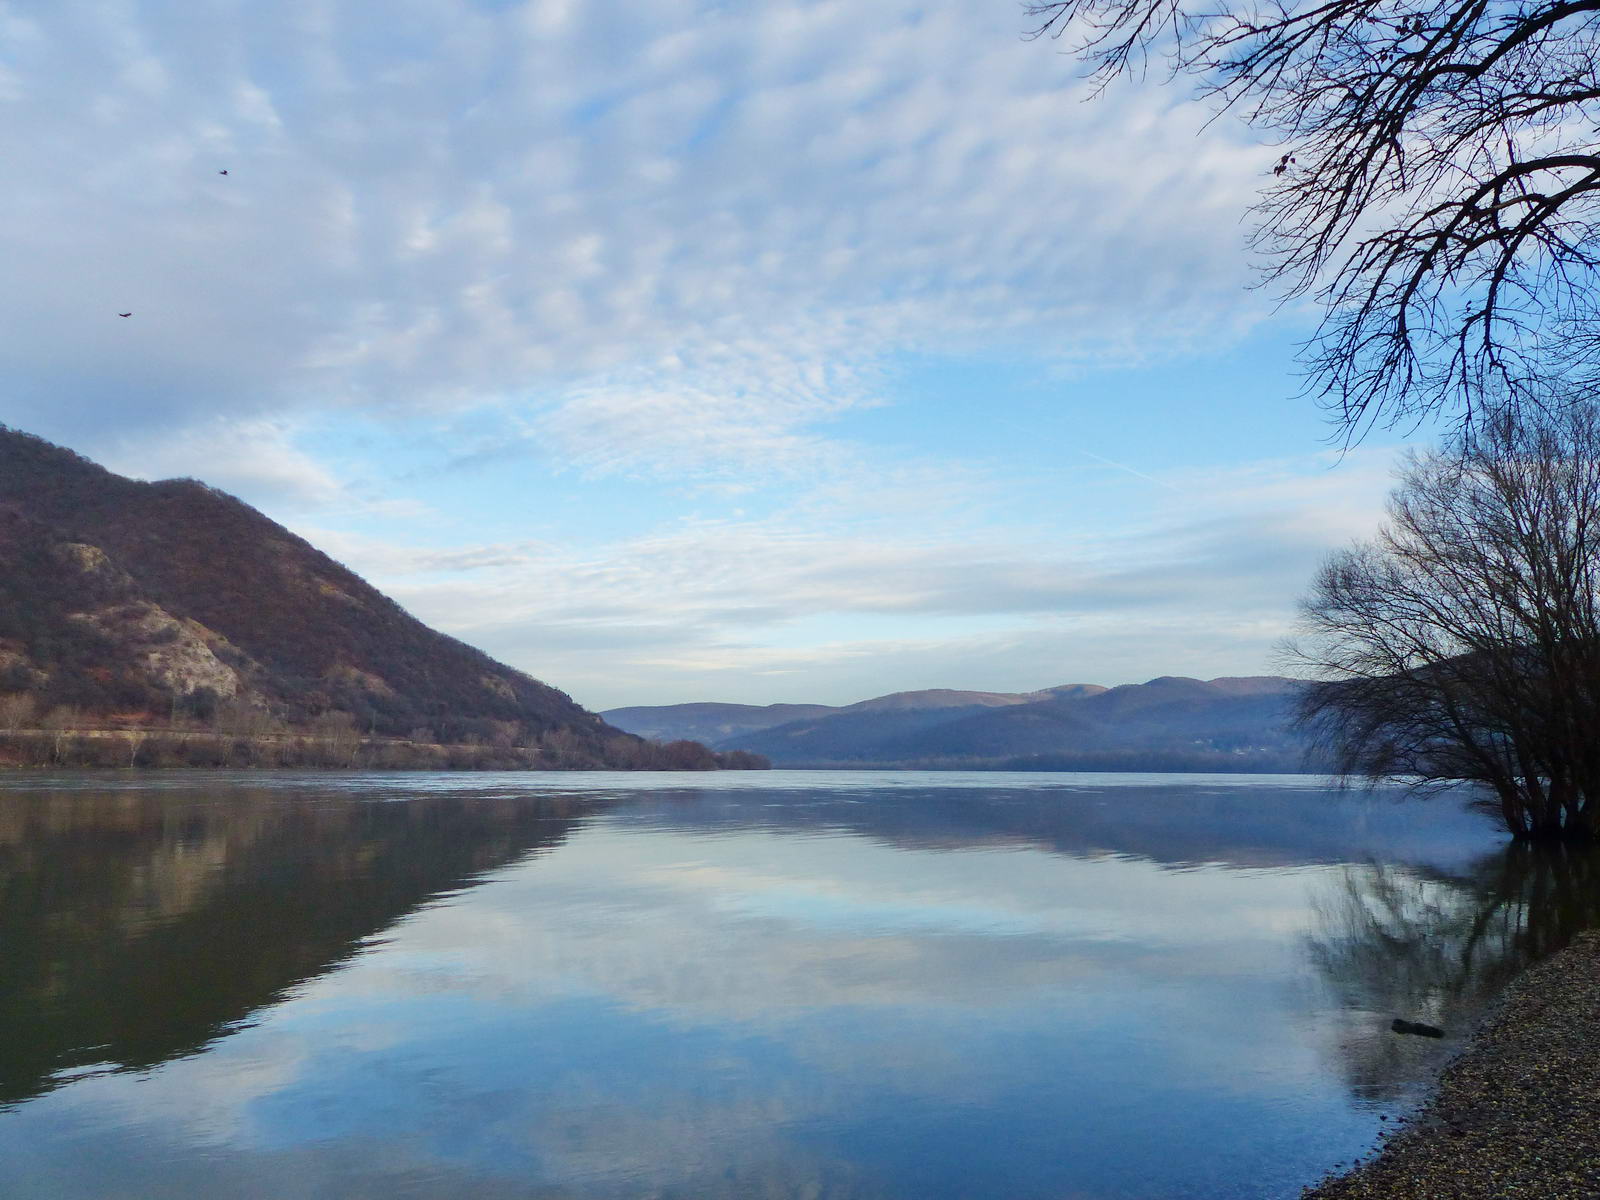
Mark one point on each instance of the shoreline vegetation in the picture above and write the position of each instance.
(1514, 1115)
(342, 747)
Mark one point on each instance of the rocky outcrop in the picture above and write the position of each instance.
(174, 654)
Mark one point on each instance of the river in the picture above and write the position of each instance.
(766, 984)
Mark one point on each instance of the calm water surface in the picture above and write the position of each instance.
(780, 984)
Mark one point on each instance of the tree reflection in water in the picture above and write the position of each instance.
(139, 925)
(1439, 948)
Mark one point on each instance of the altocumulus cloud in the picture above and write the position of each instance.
(669, 240)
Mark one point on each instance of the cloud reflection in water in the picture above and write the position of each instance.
(933, 990)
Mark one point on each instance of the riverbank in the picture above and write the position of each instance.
(1515, 1114)
(76, 748)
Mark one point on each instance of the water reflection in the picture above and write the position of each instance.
(1421, 944)
(929, 988)
(137, 926)
(1238, 823)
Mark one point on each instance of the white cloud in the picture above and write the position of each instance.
(791, 608)
(254, 455)
(675, 241)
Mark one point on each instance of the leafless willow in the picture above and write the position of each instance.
(1463, 644)
(1438, 187)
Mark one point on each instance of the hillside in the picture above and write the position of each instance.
(708, 722)
(131, 602)
(714, 723)
(1169, 723)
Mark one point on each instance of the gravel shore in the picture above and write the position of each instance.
(1518, 1114)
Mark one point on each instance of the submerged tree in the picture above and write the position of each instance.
(1463, 644)
(1439, 186)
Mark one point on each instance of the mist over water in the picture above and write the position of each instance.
(776, 984)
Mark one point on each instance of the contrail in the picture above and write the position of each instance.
(1125, 467)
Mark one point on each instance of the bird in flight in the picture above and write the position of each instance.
(221, 172)
(124, 314)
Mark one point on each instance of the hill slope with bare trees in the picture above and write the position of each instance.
(173, 605)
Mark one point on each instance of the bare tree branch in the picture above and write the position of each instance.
(1439, 192)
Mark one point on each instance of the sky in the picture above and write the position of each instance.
(803, 351)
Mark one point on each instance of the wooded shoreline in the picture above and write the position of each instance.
(72, 748)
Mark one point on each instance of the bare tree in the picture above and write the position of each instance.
(338, 732)
(238, 717)
(18, 710)
(1438, 187)
(1463, 644)
(62, 720)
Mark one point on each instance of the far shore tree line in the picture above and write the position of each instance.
(207, 732)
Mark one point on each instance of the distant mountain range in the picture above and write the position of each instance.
(1168, 724)
(138, 604)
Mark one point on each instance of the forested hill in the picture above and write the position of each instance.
(714, 723)
(1167, 724)
(126, 601)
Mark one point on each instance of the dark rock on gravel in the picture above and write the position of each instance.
(1416, 1027)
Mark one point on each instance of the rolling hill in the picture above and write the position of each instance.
(1168, 723)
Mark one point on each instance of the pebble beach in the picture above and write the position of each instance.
(1518, 1113)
